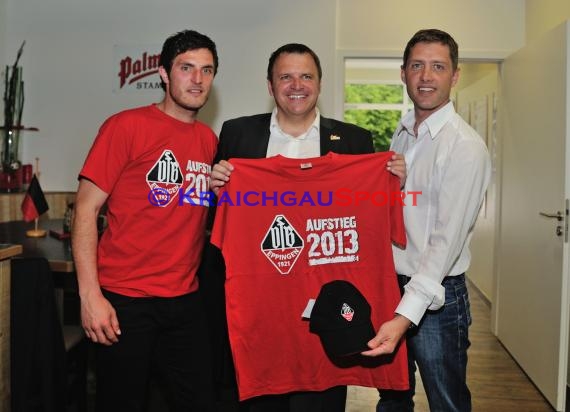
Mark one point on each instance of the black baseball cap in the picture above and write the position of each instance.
(341, 318)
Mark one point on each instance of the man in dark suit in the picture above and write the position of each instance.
(295, 125)
(294, 129)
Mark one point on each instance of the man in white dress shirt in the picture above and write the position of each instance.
(449, 164)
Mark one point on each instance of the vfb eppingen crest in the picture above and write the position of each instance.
(282, 245)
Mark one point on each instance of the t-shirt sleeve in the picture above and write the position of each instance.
(109, 154)
(397, 228)
(220, 221)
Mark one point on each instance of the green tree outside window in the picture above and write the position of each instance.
(376, 107)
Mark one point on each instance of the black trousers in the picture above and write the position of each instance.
(166, 336)
(212, 276)
(330, 400)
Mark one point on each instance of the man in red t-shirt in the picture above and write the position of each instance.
(138, 283)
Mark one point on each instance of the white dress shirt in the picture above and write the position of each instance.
(449, 163)
(301, 147)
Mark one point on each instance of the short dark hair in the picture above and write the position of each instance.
(292, 48)
(182, 42)
(433, 36)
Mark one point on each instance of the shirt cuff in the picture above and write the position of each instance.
(412, 307)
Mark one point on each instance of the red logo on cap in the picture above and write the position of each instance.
(347, 312)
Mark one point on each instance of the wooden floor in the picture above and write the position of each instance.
(496, 382)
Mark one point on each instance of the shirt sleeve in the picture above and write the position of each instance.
(397, 228)
(108, 156)
(462, 188)
(220, 220)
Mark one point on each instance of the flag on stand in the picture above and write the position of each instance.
(34, 203)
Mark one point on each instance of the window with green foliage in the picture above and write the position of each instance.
(376, 106)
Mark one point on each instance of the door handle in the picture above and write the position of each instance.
(558, 216)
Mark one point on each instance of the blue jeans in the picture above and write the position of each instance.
(438, 345)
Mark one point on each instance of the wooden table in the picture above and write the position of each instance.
(15, 243)
(7, 251)
(57, 252)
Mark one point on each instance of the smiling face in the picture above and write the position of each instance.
(189, 81)
(295, 85)
(429, 77)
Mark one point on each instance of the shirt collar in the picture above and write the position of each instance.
(434, 122)
(274, 125)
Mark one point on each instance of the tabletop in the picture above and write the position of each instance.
(57, 252)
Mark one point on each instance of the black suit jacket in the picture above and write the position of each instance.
(248, 137)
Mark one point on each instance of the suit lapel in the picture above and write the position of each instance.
(325, 132)
(263, 140)
(258, 140)
(331, 140)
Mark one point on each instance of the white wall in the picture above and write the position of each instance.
(2, 38)
(484, 29)
(68, 67)
(543, 15)
(483, 26)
